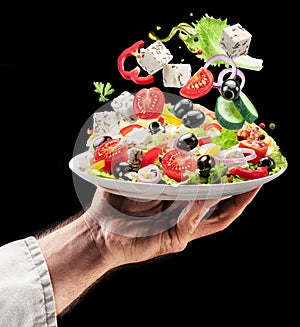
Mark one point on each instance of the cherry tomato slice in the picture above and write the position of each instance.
(125, 130)
(176, 162)
(260, 147)
(198, 85)
(151, 156)
(148, 103)
(111, 152)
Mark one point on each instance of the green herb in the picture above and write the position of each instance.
(104, 90)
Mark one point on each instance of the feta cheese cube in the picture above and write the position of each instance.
(106, 123)
(123, 106)
(176, 75)
(138, 138)
(235, 40)
(154, 57)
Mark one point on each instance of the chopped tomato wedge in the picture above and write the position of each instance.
(176, 162)
(125, 130)
(249, 173)
(111, 152)
(260, 147)
(148, 103)
(198, 85)
(151, 156)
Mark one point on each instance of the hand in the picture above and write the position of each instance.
(127, 230)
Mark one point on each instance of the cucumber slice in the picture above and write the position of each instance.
(228, 115)
(246, 108)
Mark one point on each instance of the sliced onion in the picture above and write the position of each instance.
(227, 70)
(149, 174)
(250, 156)
(222, 57)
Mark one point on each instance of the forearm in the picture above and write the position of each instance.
(73, 260)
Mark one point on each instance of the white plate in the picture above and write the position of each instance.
(145, 191)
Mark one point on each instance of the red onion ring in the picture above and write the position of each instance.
(250, 156)
(227, 70)
(151, 169)
(225, 58)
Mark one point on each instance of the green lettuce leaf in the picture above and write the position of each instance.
(208, 31)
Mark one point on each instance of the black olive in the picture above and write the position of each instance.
(101, 139)
(187, 141)
(182, 107)
(266, 162)
(205, 163)
(193, 118)
(121, 169)
(155, 127)
(230, 89)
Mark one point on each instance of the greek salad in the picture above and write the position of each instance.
(176, 143)
(152, 137)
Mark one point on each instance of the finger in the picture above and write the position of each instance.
(191, 216)
(226, 212)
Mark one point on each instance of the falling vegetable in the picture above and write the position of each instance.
(203, 39)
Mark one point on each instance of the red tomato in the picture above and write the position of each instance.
(112, 152)
(151, 156)
(149, 103)
(176, 162)
(198, 85)
(260, 147)
(125, 130)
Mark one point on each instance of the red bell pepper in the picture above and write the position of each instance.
(134, 73)
(245, 173)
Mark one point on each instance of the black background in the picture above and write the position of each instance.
(242, 274)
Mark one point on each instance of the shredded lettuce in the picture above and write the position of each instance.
(279, 159)
(226, 139)
(218, 174)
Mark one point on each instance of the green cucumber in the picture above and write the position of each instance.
(228, 115)
(246, 108)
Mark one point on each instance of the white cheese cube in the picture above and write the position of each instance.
(123, 106)
(176, 75)
(154, 57)
(235, 40)
(106, 123)
(138, 138)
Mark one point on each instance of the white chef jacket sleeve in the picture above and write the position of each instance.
(26, 293)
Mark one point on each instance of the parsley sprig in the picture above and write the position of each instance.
(104, 90)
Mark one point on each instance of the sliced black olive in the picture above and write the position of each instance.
(155, 127)
(230, 89)
(266, 162)
(121, 169)
(101, 139)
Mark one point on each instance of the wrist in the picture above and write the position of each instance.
(73, 259)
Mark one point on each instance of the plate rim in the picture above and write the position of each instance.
(229, 187)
